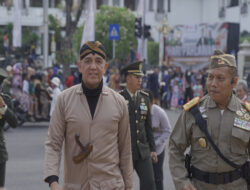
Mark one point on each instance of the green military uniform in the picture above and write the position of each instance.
(11, 119)
(229, 130)
(141, 132)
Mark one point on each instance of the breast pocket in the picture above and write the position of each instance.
(239, 140)
(199, 140)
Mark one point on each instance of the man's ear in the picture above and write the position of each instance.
(234, 81)
(106, 66)
(79, 66)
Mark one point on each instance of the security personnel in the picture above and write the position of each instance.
(219, 117)
(143, 145)
(6, 114)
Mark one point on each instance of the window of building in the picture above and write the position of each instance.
(116, 3)
(36, 3)
(233, 3)
(131, 4)
(160, 6)
(151, 5)
(99, 3)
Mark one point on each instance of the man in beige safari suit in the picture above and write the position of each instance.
(227, 121)
(93, 122)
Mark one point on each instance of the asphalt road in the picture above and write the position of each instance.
(26, 155)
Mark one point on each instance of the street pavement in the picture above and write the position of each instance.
(26, 156)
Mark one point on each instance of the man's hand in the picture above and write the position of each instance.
(55, 186)
(153, 156)
(189, 187)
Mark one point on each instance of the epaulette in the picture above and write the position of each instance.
(191, 103)
(143, 92)
(247, 105)
(119, 91)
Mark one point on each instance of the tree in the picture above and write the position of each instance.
(153, 53)
(71, 24)
(115, 15)
(112, 15)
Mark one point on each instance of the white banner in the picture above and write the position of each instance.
(197, 40)
(17, 25)
(140, 44)
(89, 26)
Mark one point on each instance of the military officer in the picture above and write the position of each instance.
(143, 145)
(6, 115)
(224, 121)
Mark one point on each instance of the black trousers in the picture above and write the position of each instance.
(2, 174)
(158, 171)
(144, 169)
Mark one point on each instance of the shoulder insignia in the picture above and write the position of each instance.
(247, 105)
(191, 103)
(143, 92)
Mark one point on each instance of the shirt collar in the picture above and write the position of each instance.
(231, 106)
(131, 94)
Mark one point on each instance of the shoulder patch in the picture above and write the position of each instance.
(143, 92)
(247, 105)
(191, 103)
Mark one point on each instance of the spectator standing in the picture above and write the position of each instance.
(242, 90)
(153, 84)
(55, 83)
(161, 130)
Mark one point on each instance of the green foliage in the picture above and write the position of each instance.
(77, 38)
(29, 37)
(65, 56)
(115, 15)
(153, 53)
(111, 15)
(242, 39)
(54, 26)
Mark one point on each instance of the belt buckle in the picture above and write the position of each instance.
(218, 178)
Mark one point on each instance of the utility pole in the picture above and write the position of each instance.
(45, 33)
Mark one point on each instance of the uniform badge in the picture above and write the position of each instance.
(143, 107)
(239, 113)
(242, 124)
(203, 142)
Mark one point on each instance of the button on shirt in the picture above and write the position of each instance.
(161, 127)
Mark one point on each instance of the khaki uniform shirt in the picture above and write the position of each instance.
(109, 165)
(232, 141)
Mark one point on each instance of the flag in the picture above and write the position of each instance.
(17, 26)
(89, 26)
(140, 10)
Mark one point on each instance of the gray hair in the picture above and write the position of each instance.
(242, 83)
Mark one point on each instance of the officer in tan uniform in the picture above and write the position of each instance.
(221, 119)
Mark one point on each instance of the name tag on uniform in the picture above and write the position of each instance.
(143, 108)
(242, 124)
